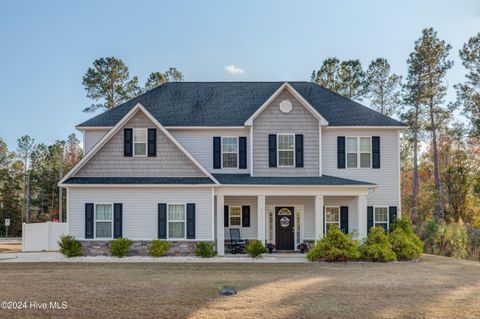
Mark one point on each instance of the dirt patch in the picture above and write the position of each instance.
(6, 247)
(435, 287)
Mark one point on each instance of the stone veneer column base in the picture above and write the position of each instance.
(138, 248)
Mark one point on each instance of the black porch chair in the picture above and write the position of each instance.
(237, 244)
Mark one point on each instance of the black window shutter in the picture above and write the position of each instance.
(117, 220)
(272, 150)
(190, 221)
(225, 216)
(375, 151)
(162, 221)
(127, 142)
(392, 215)
(245, 216)
(217, 153)
(340, 151)
(152, 142)
(298, 150)
(242, 149)
(88, 220)
(344, 219)
(369, 218)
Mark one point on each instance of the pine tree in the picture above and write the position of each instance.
(468, 93)
(383, 88)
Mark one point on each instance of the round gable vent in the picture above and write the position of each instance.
(285, 106)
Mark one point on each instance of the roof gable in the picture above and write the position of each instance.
(141, 114)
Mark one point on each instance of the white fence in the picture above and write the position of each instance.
(42, 236)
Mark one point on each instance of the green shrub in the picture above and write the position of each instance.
(205, 250)
(405, 243)
(119, 247)
(450, 240)
(255, 248)
(335, 246)
(377, 247)
(69, 246)
(473, 246)
(158, 247)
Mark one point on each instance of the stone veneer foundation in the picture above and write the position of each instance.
(138, 248)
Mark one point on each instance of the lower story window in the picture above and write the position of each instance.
(176, 221)
(103, 220)
(235, 216)
(381, 217)
(332, 217)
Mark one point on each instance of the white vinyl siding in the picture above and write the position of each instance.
(140, 208)
(200, 144)
(386, 177)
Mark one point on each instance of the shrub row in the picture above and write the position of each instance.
(400, 244)
(70, 247)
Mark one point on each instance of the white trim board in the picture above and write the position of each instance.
(116, 128)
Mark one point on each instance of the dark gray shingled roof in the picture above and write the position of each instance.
(246, 179)
(232, 103)
(139, 180)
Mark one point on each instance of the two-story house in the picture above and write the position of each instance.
(281, 161)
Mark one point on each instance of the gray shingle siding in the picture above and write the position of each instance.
(232, 103)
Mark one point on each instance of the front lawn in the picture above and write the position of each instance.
(435, 287)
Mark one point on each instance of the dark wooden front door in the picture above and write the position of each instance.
(284, 229)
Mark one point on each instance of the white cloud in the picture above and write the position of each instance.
(232, 69)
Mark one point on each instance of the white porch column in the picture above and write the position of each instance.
(220, 226)
(362, 216)
(318, 217)
(261, 218)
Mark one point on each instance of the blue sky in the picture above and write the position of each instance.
(47, 46)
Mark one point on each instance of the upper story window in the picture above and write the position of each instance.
(230, 152)
(358, 152)
(139, 142)
(286, 150)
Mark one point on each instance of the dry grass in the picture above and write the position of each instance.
(435, 287)
(6, 247)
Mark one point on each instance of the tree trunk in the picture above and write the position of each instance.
(415, 181)
(438, 200)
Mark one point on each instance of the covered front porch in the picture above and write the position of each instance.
(288, 215)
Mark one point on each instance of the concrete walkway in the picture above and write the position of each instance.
(57, 257)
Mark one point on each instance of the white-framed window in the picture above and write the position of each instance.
(286, 150)
(235, 216)
(229, 152)
(103, 220)
(380, 217)
(359, 151)
(332, 216)
(139, 142)
(176, 219)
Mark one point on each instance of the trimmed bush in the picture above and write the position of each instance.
(377, 247)
(255, 248)
(69, 246)
(405, 244)
(205, 250)
(335, 246)
(158, 247)
(119, 247)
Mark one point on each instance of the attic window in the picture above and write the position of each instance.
(286, 106)
(140, 142)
